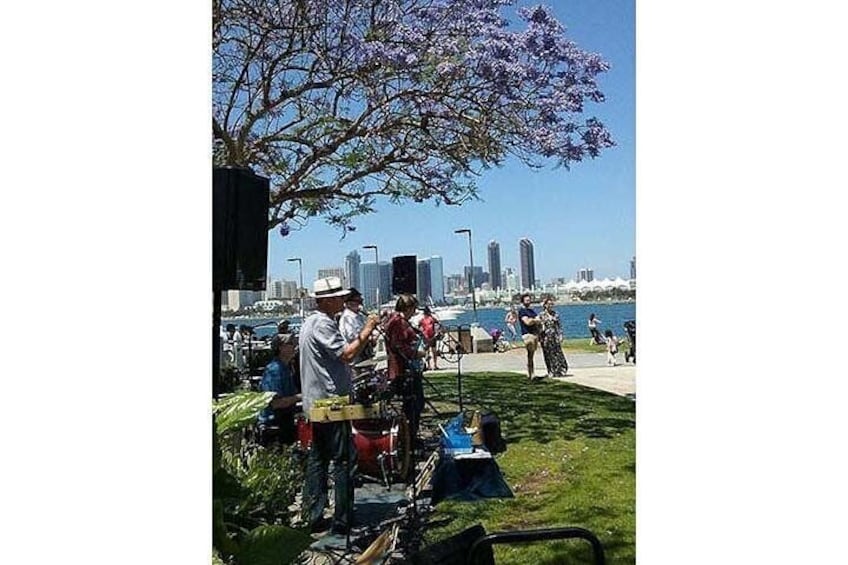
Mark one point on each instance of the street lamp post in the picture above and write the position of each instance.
(376, 262)
(300, 288)
(471, 275)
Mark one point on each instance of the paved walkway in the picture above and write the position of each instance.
(586, 369)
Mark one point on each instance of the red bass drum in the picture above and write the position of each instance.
(382, 448)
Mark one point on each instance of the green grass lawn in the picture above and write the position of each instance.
(570, 461)
(583, 345)
(577, 345)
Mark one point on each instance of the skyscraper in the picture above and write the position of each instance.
(528, 265)
(633, 268)
(333, 272)
(437, 282)
(585, 274)
(478, 277)
(369, 279)
(277, 289)
(385, 281)
(352, 262)
(509, 278)
(289, 289)
(457, 283)
(424, 287)
(495, 264)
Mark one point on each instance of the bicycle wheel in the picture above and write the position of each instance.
(447, 350)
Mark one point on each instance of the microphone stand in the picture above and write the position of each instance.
(460, 351)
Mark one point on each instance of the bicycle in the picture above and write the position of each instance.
(449, 348)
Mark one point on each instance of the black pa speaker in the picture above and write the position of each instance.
(239, 229)
(404, 274)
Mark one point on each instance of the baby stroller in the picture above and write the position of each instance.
(499, 342)
(630, 328)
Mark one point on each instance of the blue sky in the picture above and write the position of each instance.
(584, 217)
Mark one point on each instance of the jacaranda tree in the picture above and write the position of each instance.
(340, 102)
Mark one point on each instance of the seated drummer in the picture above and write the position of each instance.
(405, 358)
(276, 422)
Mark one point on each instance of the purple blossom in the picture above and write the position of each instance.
(406, 98)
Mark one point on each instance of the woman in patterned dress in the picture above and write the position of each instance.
(551, 338)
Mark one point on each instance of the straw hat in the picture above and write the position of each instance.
(328, 287)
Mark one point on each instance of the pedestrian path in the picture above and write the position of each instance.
(585, 369)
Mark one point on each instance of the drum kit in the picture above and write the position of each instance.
(382, 442)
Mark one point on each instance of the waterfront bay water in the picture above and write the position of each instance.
(573, 317)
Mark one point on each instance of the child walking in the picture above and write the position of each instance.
(612, 347)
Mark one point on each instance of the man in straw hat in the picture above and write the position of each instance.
(324, 355)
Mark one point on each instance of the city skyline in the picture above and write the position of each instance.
(581, 216)
(352, 257)
(353, 274)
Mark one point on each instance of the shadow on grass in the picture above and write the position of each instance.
(543, 411)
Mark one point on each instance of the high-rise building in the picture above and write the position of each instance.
(633, 268)
(276, 288)
(509, 278)
(424, 288)
(457, 283)
(333, 272)
(437, 283)
(373, 278)
(585, 274)
(528, 265)
(494, 250)
(478, 278)
(289, 290)
(386, 281)
(241, 299)
(352, 262)
(369, 279)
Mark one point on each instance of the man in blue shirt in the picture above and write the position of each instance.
(529, 331)
(276, 422)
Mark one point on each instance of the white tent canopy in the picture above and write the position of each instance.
(621, 283)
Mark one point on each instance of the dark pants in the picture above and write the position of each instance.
(330, 442)
(412, 391)
(596, 335)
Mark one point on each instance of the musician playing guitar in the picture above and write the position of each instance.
(405, 359)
